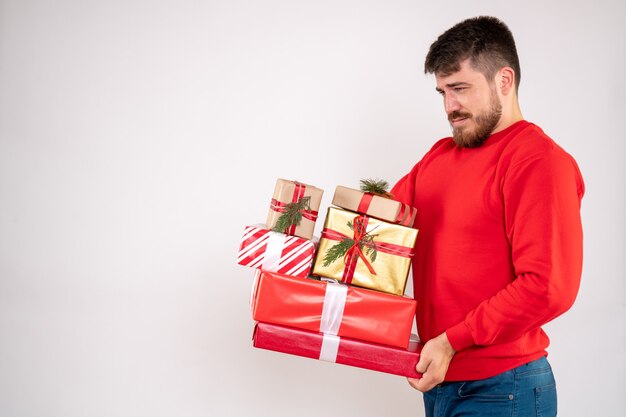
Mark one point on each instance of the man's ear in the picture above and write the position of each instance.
(506, 80)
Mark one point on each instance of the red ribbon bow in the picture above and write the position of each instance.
(354, 253)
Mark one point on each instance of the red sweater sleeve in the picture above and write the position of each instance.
(541, 197)
(404, 189)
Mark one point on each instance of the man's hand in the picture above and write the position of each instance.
(433, 364)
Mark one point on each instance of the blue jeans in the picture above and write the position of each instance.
(526, 391)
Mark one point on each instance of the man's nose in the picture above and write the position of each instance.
(450, 104)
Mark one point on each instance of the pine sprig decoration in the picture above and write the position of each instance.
(292, 215)
(370, 245)
(378, 187)
(339, 250)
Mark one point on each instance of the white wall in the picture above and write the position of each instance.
(137, 138)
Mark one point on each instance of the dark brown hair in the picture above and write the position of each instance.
(485, 40)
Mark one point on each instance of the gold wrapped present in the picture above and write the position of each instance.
(364, 251)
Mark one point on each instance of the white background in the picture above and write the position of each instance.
(138, 138)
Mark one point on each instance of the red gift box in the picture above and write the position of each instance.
(336, 349)
(271, 251)
(333, 308)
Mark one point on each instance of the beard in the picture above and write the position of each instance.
(485, 123)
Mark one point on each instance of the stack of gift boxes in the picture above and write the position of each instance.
(342, 299)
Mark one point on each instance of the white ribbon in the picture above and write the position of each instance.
(332, 310)
(330, 346)
(274, 249)
(332, 314)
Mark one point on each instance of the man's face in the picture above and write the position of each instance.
(471, 103)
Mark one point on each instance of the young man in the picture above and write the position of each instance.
(499, 252)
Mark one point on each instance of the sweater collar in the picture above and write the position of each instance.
(496, 137)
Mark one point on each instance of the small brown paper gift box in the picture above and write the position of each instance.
(287, 192)
(383, 208)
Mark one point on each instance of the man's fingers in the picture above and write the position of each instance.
(422, 365)
(433, 363)
(413, 382)
(422, 384)
(426, 383)
(430, 375)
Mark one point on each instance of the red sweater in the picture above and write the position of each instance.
(499, 249)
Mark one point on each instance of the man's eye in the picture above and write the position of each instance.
(459, 89)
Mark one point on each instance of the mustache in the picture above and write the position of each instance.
(458, 115)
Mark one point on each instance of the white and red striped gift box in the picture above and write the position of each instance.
(276, 252)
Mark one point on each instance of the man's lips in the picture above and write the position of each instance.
(458, 120)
